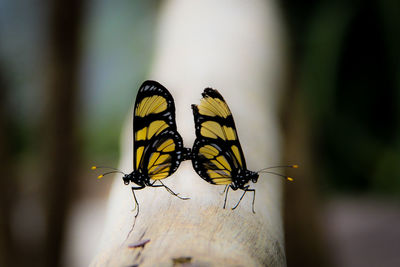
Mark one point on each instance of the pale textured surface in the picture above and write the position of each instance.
(235, 47)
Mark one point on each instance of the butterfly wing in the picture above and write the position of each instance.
(162, 159)
(158, 147)
(217, 154)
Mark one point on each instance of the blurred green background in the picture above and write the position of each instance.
(348, 72)
(344, 72)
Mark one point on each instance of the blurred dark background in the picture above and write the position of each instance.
(341, 120)
(69, 72)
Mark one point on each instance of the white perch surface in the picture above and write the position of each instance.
(236, 47)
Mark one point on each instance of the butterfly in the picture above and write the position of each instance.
(217, 155)
(158, 147)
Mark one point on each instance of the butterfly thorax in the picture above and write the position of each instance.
(242, 177)
(136, 177)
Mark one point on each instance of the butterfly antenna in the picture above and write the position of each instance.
(278, 174)
(295, 166)
(103, 167)
(114, 170)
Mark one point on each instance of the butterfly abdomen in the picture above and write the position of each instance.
(186, 153)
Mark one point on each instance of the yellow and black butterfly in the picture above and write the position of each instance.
(216, 154)
(158, 147)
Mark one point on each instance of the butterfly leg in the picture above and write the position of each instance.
(226, 194)
(134, 197)
(169, 190)
(246, 189)
(254, 198)
(226, 186)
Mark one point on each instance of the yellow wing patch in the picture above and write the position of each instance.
(230, 133)
(213, 107)
(213, 129)
(212, 153)
(162, 159)
(149, 105)
(139, 154)
(219, 176)
(155, 128)
(157, 159)
(216, 163)
(160, 176)
(224, 162)
(159, 165)
(208, 151)
(167, 146)
(159, 169)
(236, 152)
(141, 134)
(220, 181)
(207, 133)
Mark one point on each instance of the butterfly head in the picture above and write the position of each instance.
(127, 178)
(136, 177)
(253, 176)
(243, 177)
